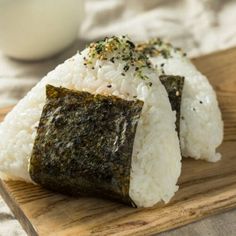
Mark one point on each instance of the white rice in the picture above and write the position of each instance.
(156, 159)
(201, 125)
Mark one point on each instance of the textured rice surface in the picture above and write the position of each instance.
(201, 125)
(156, 160)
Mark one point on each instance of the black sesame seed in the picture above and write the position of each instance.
(162, 64)
(112, 60)
(201, 102)
(131, 44)
(109, 85)
(126, 67)
(123, 74)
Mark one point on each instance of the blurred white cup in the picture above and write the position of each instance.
(37, 29)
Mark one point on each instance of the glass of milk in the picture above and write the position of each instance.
(38, 29)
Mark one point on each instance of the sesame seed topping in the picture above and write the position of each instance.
(119, 49)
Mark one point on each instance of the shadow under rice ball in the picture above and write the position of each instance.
(84, 144)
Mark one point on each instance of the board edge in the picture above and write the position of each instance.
(17, 211)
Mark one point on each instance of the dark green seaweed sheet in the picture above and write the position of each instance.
(84, 144)
(174, 87)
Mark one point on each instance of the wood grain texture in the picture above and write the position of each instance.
(205, 188)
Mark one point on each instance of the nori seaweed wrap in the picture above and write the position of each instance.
(84, 144)
(174, 87)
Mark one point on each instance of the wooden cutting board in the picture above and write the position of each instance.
(205, 188)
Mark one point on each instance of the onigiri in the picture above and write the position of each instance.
(201, 125)
(108, 70)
